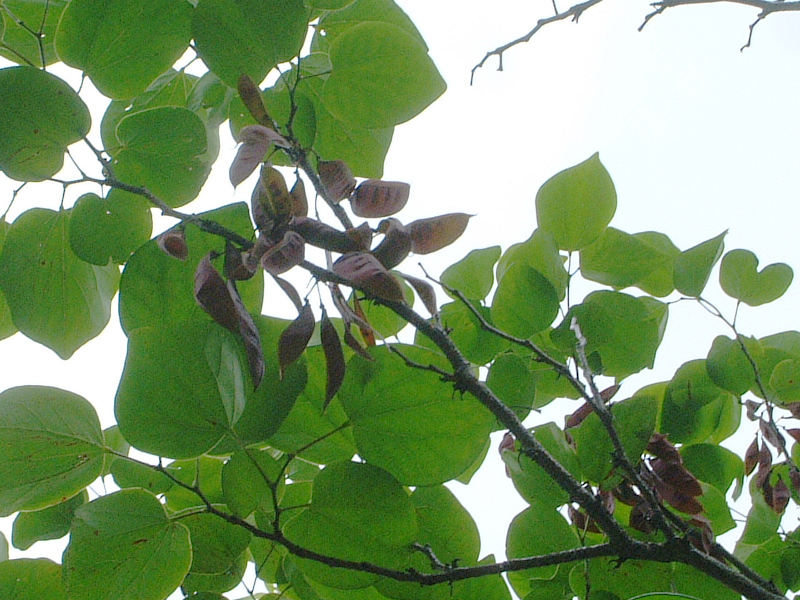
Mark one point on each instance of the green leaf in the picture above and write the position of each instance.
(129, 474)
(490, 587)
(216, 544)
(660, 282)
(396, 414)
(223, 355)
(540, 253)
(739, 278)
(620, 260)
(716, 508)
(382, 76)
(168, 402)
(576, 205)
(713, 464)
(697, 584)
(473, 275)
(358, 512)
(247, 479)
(51, 447)
(210, 586)
(384, 320)
(49, 523)
(123, 45)
(31, 579)
(55, 298)
(161, 149)
(40, 115)
(477, 344)
(785, 380)
(448, 529)
(728, 365)
(157, 290)
(694, 407)
(251, 37)
(124, 545)
(381, 11)
(525, 302)
(512, 380)
(634, 420)
(693, 266)
(537, 531)
(111, 229)
(7, 327)
(16, 37)
(205, 471)
(629, 579)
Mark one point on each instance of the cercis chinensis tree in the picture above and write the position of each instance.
(254, 421)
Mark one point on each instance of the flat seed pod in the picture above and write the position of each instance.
(361, 235)
(259, 200)
(251, 98)
(213, 296)
(295, 337)
(430, 235)
(173, 242)
(299, 199)
(235, 267)
(425, 292)
(396, 243)
(284, 255)
(337, 179)
(354, 345)
(324, 236)
(376, 199)
(256, 141)
(367, 273)
(280, 200)
(252, 258)
(249, 335)
(289, 290)
(334, 358)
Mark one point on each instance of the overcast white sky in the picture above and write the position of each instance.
(697, 136)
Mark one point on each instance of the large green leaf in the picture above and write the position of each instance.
(216, 544)
(739, 278)
(634, 420)
(49, 523)
(620, 260)
(396, 415)
(382, 11)
(660, 282)
(162, 150)
(358, 512)
(382, 76)
(31, 579)
(40, 115)
(728, 365)
(51, 447)
(693, 266)
(512, 380)
(25, 46)
(473, 275)
(123, 45)
(540, 253)
(576, 205)
(157, 290)
(236, 37)
(533, 532)
(713, 464)
(168, 402)
(123, 545)
(611, 579)
(7, 326)
(55, 298)
(109, 229)
(525, 302)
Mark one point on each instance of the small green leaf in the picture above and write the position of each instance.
(525, 302)
(205, 471)
(713, 464)
(660, 282)
(97, 36)
(247, 479)
(130, 474)
(382, 76)
(46, 423)
(396, 415)
(124, 545)
(40, 115)
(785, 380)
(693, 266)
(477, 344)
(620, 260)
(26, 46)
(473, 275)
(216, 544)
(111, 229)
(576, 205)
(31, 579)
(729, 367)
(512, 380)
(162, 149)
(49, 523)
(358, 512)
(739, 278)
(224, 357)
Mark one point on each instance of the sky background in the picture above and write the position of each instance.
(697, 136)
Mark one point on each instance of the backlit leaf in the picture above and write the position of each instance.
(525, 302)
(739, 278)
(693, 266)
(729, 367)
(473, 275)
(619, 259)
(25, 45)
(30, 579)
(49, 523)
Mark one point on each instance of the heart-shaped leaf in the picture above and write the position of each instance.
(693, 266)
(740, 279)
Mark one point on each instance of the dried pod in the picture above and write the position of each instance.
(252, 257)
(289, 290)
(235, 267)
(354, 345)
(280, 199)
(249, 335)
(430, 235)
(251, 98)
(780, 496)
(284, 255)
(376, 199)
(299, 199)
(364, 270)
(361, 235)
(396, 243)
(256, 141)
(334, 358)
(425, 292)
(213, 296)
(173, 242)
(676, 475)
(295, 337)
(337, 179)
(323, 236)
(660, 447)
(751, 456)
(577, 417)
(771, 434)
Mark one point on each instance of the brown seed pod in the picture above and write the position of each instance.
(375, 198)
(337, 179)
